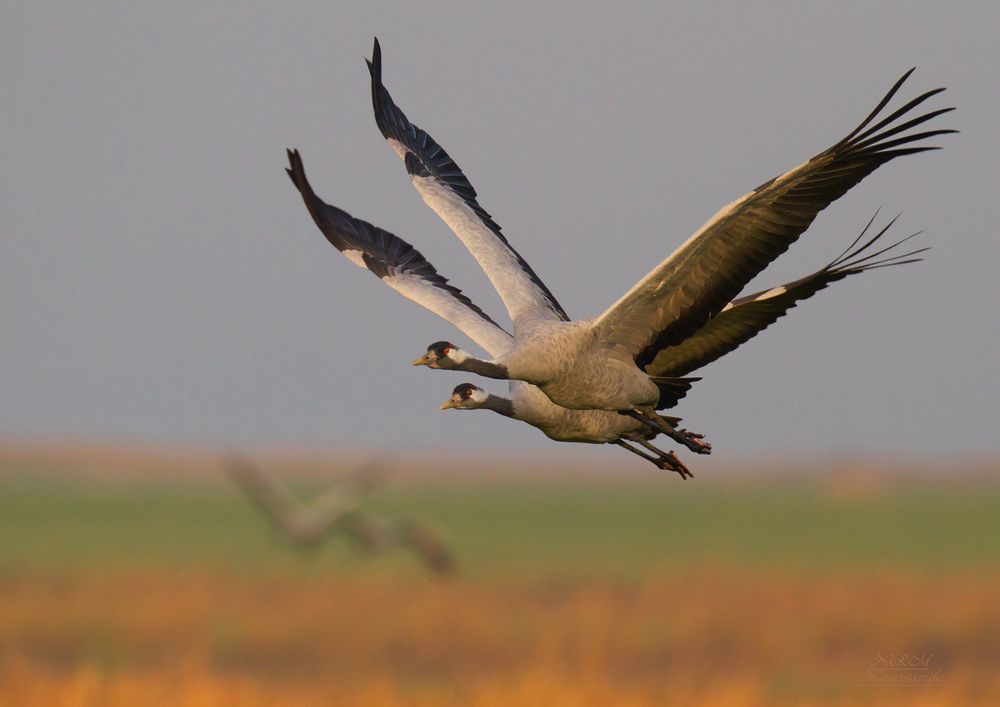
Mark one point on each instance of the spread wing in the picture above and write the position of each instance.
(682, 293)
(444, 188)
(744, 318)
(398, 264)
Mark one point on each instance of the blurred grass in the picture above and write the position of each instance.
(518, 527)
(589, 590)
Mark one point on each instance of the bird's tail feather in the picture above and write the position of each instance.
(671, 389)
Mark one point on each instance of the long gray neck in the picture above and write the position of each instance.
(483, 368)
(504, 406)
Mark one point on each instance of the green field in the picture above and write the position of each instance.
(160, 583)
(517, 527)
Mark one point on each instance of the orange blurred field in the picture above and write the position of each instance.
(88, 619)
(709, 637)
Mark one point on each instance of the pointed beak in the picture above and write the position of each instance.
(449, 404)
(424, 360)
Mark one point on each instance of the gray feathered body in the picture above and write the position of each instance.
(601, 363)
(531, 405)
(557, 356)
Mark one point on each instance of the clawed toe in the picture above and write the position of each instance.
(670, 462)
(701, 447)
(693, 441)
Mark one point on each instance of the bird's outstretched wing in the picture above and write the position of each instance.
(335, 513)
(398, 264)
(303, 525)
(744, 318)
(682, 293)
(444, 188)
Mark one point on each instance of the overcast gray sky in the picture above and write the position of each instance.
(160, 279)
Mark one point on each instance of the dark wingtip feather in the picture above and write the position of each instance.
(382, 251)
(844, 254)
(878, 109)
(872, 240)
(425, 158)
(859, 137)
(297, 173)
(296, 169)
(295, 165)
(890, 263)
(375, 65)
(858, 259)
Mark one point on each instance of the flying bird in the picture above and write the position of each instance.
(403, 268)
(622, 359)
(738, 322)
(336, 513)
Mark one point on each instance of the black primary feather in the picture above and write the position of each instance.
(427, 158)
(384, 254)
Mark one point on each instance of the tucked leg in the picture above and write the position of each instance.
(691, 440)
(666, 461)
(669, 458)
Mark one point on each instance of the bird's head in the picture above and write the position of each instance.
(441, 354)
(465, 397)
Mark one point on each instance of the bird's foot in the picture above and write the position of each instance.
(670, 462)
(692, 440)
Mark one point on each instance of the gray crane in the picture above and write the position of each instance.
(403, 268)
(615, 361)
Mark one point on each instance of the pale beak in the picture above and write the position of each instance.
(424, 360)
(449, 404)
